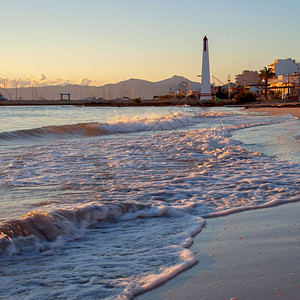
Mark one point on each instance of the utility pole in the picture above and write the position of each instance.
(132, 92)
(298, 87)
(229, 87)
(288, 84)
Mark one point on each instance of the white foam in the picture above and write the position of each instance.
(81, 189)
(149, 282)
(118, 124)
(40, 231)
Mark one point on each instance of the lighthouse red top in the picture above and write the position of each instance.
(204, 43)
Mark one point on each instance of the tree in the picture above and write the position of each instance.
(266, 74)
(221, 94)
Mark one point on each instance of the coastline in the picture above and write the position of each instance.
(273, 107)
(295, 111)
(116, 102)
(247, 255)
(143, 156)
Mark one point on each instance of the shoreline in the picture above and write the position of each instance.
(212, 255)
(264, 106)
(294, 110)
(116, 102)
(246, 255)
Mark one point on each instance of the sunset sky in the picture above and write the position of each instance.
(97, 42)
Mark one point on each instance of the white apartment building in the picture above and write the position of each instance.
(247, 78)
(287, 81)
(286, 66)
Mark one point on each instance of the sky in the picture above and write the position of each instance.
(97, 42)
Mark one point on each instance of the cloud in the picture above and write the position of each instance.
(42, 77)
(42, 80)
(58, 81)
(85, 81)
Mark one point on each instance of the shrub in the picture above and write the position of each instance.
(137, 100)
(244, 97)
(221, 95)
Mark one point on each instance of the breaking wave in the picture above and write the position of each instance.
(117, 125)
(134, 202)
(39, 229)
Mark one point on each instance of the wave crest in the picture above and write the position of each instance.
(121, 124)
(41, 228)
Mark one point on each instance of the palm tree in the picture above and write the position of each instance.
(266, 74)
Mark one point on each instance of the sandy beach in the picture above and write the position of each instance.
(249, 255)
(278, 110)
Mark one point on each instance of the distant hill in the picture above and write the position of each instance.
(132, 88)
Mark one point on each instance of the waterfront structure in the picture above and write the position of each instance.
(205, 78)
(247, 78)
(286, 66)
(65, 94)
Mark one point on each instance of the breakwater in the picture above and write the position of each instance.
(116, 102)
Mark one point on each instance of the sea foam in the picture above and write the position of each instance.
(119, 124)
(127, 207)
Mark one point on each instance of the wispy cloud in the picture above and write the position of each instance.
(42, 80)
(86, 81)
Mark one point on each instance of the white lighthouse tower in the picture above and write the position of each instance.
(205, 78)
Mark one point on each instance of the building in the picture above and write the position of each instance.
(285, 87)
(183, 88)
(247, 78)
(285, 66)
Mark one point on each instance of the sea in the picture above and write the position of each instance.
(104, 202)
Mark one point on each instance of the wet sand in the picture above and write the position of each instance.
(278, 110)
(249, 255)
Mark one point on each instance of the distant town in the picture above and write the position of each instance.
(280, 80)
(283, 83)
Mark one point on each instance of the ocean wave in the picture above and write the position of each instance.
(40, 231)
(37, 230)
(117, 125)
(182, 177)
(111, 252)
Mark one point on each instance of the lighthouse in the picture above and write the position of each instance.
(205, 78)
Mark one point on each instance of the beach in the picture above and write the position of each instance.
(109, 203)
(249, 255)
(145, 154)
(277, 110)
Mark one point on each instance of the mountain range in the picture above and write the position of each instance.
(132, 88)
